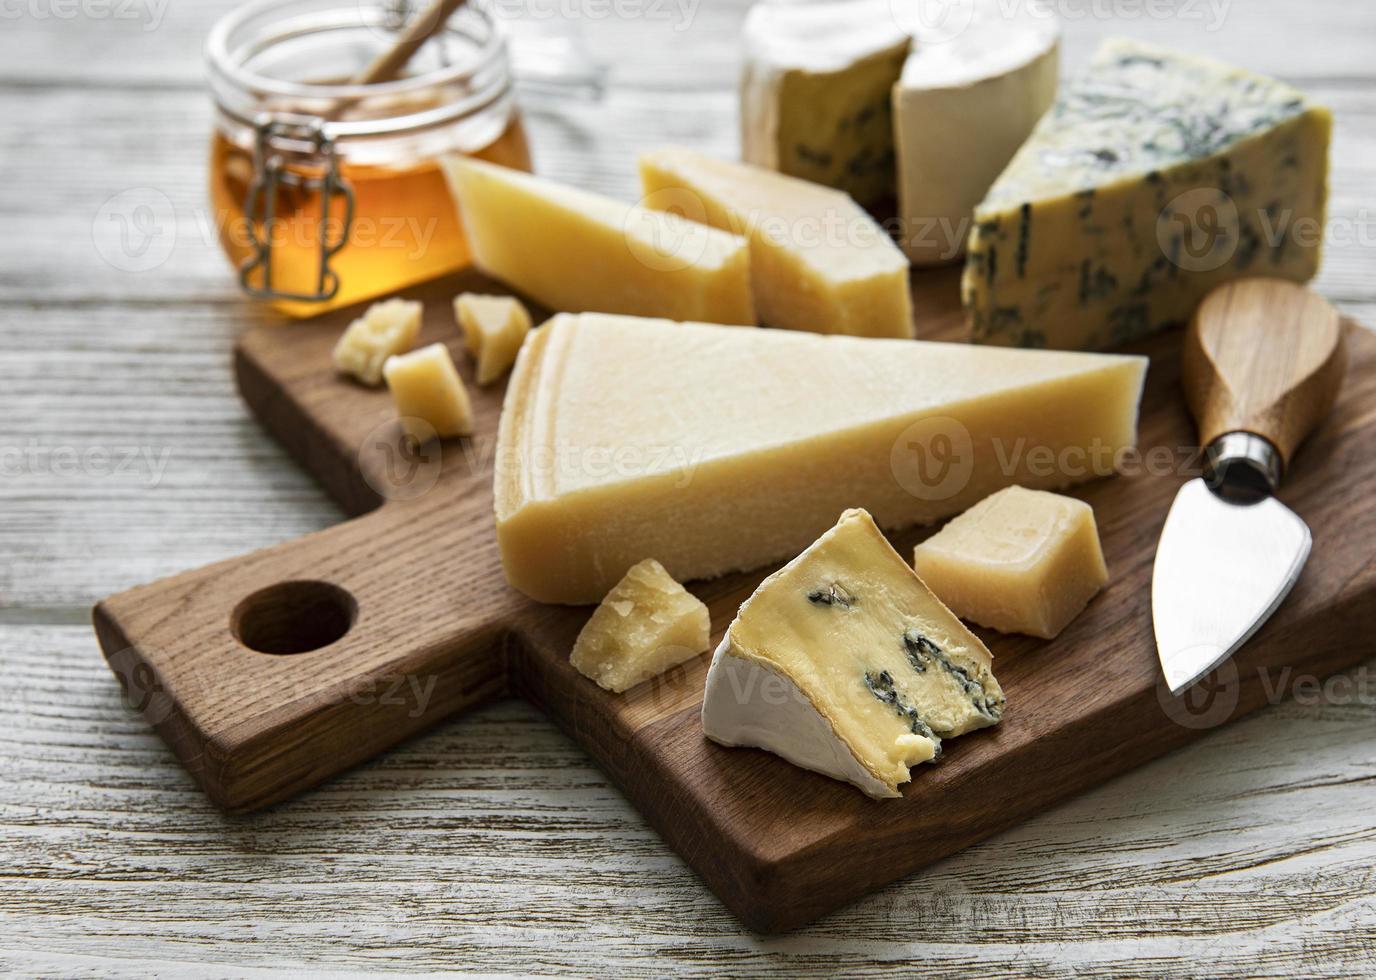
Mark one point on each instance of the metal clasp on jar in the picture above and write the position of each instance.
(271, 174)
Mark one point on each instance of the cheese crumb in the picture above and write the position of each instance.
(494, 327)
(429, 394)
(386, 329)
(646, 624)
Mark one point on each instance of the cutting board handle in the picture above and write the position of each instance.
(270, 672)
(1264, 356)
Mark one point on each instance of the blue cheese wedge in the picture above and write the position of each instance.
(844, 663)
(815, 93)
(1154, 177)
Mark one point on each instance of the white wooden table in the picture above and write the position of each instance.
(491, 844)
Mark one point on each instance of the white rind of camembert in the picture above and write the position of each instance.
(844, 663)
(815, 91)
(885, 98)
(786, 723)
(962, 107)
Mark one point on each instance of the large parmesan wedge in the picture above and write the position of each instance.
(713, 449)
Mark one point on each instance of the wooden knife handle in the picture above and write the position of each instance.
(1264, 356)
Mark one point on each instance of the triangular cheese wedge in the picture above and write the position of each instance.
(843, 662)
(817, 261)
(1154, 177)
(714, 449)
(572, 250)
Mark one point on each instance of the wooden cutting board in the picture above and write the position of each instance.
(400, 618)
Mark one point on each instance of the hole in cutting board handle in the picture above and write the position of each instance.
(294, 617)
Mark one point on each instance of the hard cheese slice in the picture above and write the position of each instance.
(815, 93)
(573, 250)
(1155, 177)
(817, 261)
(843, 662)
(714, 449)
(962, 107)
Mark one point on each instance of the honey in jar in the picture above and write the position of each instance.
(325, 194)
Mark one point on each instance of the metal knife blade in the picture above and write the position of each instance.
(1260, 366)
(1222, 568)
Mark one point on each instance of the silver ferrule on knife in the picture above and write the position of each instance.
(1242, 466)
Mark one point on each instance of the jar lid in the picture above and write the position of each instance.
(271, 55)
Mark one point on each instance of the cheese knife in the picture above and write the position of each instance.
(1261, 366)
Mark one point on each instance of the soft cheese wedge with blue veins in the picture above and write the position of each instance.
(714, 449)
(1154, 177)
(844, 663)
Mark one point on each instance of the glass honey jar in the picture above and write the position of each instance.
(326, 193)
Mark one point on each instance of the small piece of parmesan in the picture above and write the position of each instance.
(1019, 561)
(385, 330)
(429, 394)
(646, 624)
(494, 328)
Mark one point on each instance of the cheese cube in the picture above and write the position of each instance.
(646, 624)
(387, 328)
(1019, 561)
(493, 329)
(817, 261)
(575, 251)
(429, 394)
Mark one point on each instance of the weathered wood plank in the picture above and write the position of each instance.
(153, 44)
(492, 844)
